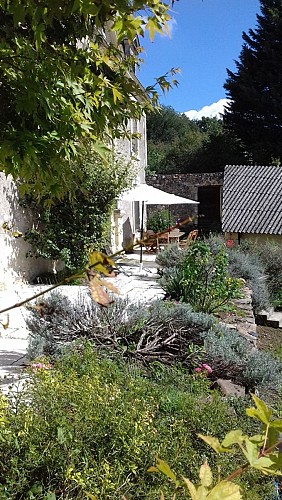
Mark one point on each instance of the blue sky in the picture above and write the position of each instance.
(206, 38)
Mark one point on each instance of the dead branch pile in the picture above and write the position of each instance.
(161, 332)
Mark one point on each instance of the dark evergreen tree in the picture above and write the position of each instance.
(255, 89)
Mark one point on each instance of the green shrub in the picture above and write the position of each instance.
(269, 257)
(277, 301)
(69, 228)
(261, 452)
(160, 220)
(270, 254)
(201, 279)
(93, 424)
(165, 333)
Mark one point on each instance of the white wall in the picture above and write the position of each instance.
(14, 265)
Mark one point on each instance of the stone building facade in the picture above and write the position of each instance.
(126, 217)
(15, 265)
(205, 188)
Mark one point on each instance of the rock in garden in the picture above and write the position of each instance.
(229, 388)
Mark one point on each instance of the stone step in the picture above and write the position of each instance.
(275, 320)
(269, 318)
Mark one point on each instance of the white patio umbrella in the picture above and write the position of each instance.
(152, 196)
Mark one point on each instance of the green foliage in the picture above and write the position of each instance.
(124, 331)
(201, 279)
(254, 112)
(267, 259)
(260, 450)
(89, 424)
(166, 125)
(68, 229)
(177, 144)
(66, 77)
(277, 301)
(270, 253)
(160, 220)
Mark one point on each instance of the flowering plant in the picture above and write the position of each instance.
(204, 368)
(40, 366)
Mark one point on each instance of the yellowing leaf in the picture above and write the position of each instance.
(117, 95)
(152, 27)
(251, 452)
(6, 226)
(205, 474)
(202, 493)
(191, 488)
(261, 412)
(214, 443)
(109, 286)
(233, 437)
(277, 424)
(257, 438)
(153, 469)
(225, 490)
(17, 234)
(163, 467)
(264, 463)
(5, 324)
(89, 495)
(101, 263)
(98, 293)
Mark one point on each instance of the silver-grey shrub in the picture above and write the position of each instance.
(161, 331)
(232, 357)
(167, 332)
(248, 266)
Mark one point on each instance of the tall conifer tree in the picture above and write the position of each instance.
(255, 89)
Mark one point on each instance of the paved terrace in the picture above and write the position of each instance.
(135, 284)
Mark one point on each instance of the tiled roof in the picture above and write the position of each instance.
(252, 199)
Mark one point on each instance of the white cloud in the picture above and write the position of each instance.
(213, 110)
(172, 26)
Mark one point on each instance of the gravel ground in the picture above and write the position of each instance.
(269, 339)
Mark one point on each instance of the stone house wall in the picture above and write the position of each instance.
(186, 185)
(14, 265)
(126, 218)
(254, 238)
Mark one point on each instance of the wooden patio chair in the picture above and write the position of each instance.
(192, 236)
(150, 241)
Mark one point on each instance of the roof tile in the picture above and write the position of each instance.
(252, 199)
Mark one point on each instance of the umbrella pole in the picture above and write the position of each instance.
(141, 235)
